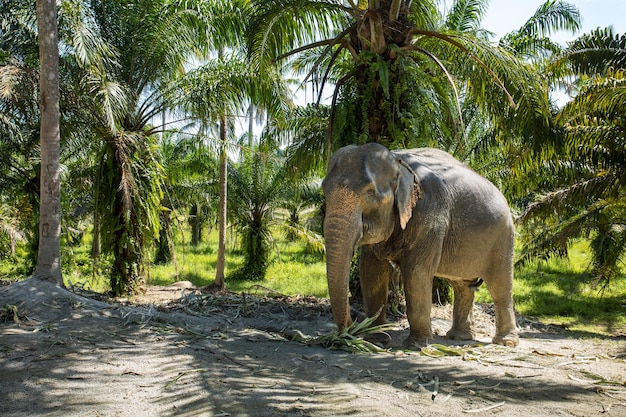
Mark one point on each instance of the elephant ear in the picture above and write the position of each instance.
(408, 191)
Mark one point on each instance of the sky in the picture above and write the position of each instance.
(504, 16)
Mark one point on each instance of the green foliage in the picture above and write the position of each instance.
(466, 15)
(608, 248)
(129, 203)
(591, 53)
(255, 186)
(305, 131)
(124, 60)
(532, 41)
(190, 186)
(19, 125)
(585, 161)
(352, 339)
(291, 269)
(564, 291)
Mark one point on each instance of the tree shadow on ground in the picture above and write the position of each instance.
(73, 356)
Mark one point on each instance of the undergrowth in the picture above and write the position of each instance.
(556, 291)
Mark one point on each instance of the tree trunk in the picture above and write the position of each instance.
(221, 246)
(441, 294)
(95, 243)
(49, 254)
(196, 225)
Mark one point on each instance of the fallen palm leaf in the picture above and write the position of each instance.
(480, 410)
(436, 350)
(351, 338)
(598, 379)
(10, 312)
(546, 353)
(471, 381)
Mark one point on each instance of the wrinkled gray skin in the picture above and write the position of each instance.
(430, 215)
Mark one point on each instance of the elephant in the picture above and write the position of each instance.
(426, 213)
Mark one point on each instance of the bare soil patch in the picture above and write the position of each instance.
(177, 352)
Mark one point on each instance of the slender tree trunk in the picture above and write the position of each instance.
(221, 247)
(250, 126)
(49, 254)
(196, 225)
(95, 242)
(12, 242)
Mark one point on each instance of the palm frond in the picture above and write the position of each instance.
(279, 26)
(88, 47)
(352, 339)
(306, 134)
(579, 195)
(601, 97)
(551, 16)
(608, 248)
(592, 53)
(466, 15)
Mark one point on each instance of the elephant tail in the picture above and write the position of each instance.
(475, 284)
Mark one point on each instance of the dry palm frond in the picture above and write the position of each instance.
(437, 350)
(10, 312)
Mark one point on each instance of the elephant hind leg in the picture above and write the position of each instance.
(501, 291)
(506, 329)
(462, 320)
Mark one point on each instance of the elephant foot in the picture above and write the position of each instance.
(417, 341)
(460, 334)
(510, 339)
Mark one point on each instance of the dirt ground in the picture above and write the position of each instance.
(176, 352)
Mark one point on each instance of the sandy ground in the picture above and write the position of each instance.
(181, 353)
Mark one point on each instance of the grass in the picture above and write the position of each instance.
(561, 291)
(557, 291)
(291, 272)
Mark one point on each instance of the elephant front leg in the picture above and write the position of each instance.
(418, 294)
(374, 274)
(462, 321)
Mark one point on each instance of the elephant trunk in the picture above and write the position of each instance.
(342, 230)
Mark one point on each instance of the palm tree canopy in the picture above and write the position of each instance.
(592, 53)
(585, 194)
(532, 39)
(403, 65)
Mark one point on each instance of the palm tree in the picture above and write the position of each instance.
(127, 56)
(218, 89)
(301, 195)
(49, 255)
(19, 121)
(587, 162)
(190, 169)
(400, 68)
(256, 184)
